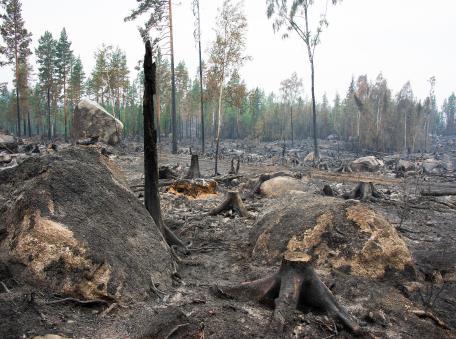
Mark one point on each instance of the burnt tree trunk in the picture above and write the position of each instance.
(194, 170)
(295, 286)
(151, 196)
(363, 191)
(233, 202)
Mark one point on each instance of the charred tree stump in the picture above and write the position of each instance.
(235, 170)
(151, 196)
(194, 170)
(363, 191)
(234, 202)
(328, 191)
(344, 168)
(295, 286)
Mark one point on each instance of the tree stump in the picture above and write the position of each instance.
(328, 191)
(363, 191)
(194, 170)
(235, 170)
(233, 202)
(295, 286)
(344, 168)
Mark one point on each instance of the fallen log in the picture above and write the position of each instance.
(233, 202)
(438, 192)
(295, 286)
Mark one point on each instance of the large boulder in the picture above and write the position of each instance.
(366, 164)
(433, 166)
(90, 120)
(280, 185)
(70, 225)
(348, 236)
(8, 143)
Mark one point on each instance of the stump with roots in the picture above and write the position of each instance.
(344, 168)
(295, 287)
(233, 202)
(235, 170)
(363, 191)
(194, 170)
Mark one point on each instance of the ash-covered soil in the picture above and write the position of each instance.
(221, 253)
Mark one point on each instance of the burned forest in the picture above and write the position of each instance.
(213, 189)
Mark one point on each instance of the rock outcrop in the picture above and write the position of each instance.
(8, 143)
(280, 185)
(69, 224)
(366, 164)
(90, 120)
(335, 235)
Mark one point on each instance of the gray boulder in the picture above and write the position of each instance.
(8, 142)
(366, 164)
(90, 120)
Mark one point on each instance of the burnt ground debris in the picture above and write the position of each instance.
(222, 254)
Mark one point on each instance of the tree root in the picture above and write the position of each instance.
(295, 286)
(363, 191)
(234, 202)
(94, 302)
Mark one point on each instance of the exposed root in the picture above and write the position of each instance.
(427, 314)
(363, 191)
(94, 302)
(7, 290)
(234, 202)
(295, 286)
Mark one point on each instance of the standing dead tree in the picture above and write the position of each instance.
(151, 186)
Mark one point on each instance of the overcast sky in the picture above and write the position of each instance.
(405, 39)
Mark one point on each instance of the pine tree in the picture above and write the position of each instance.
(17, 40)
(160, 19)
(46, 54)
(64, 56)
(76, 82)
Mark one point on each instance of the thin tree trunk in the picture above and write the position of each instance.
(173, 82)
(49, 112)
(65, 113)
(29, 124)
(17, 101)
(291, 120)
(314, 114)
(201, 77)
(219, 123)
(405, 132)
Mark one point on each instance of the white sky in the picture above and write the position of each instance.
(405, 39)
